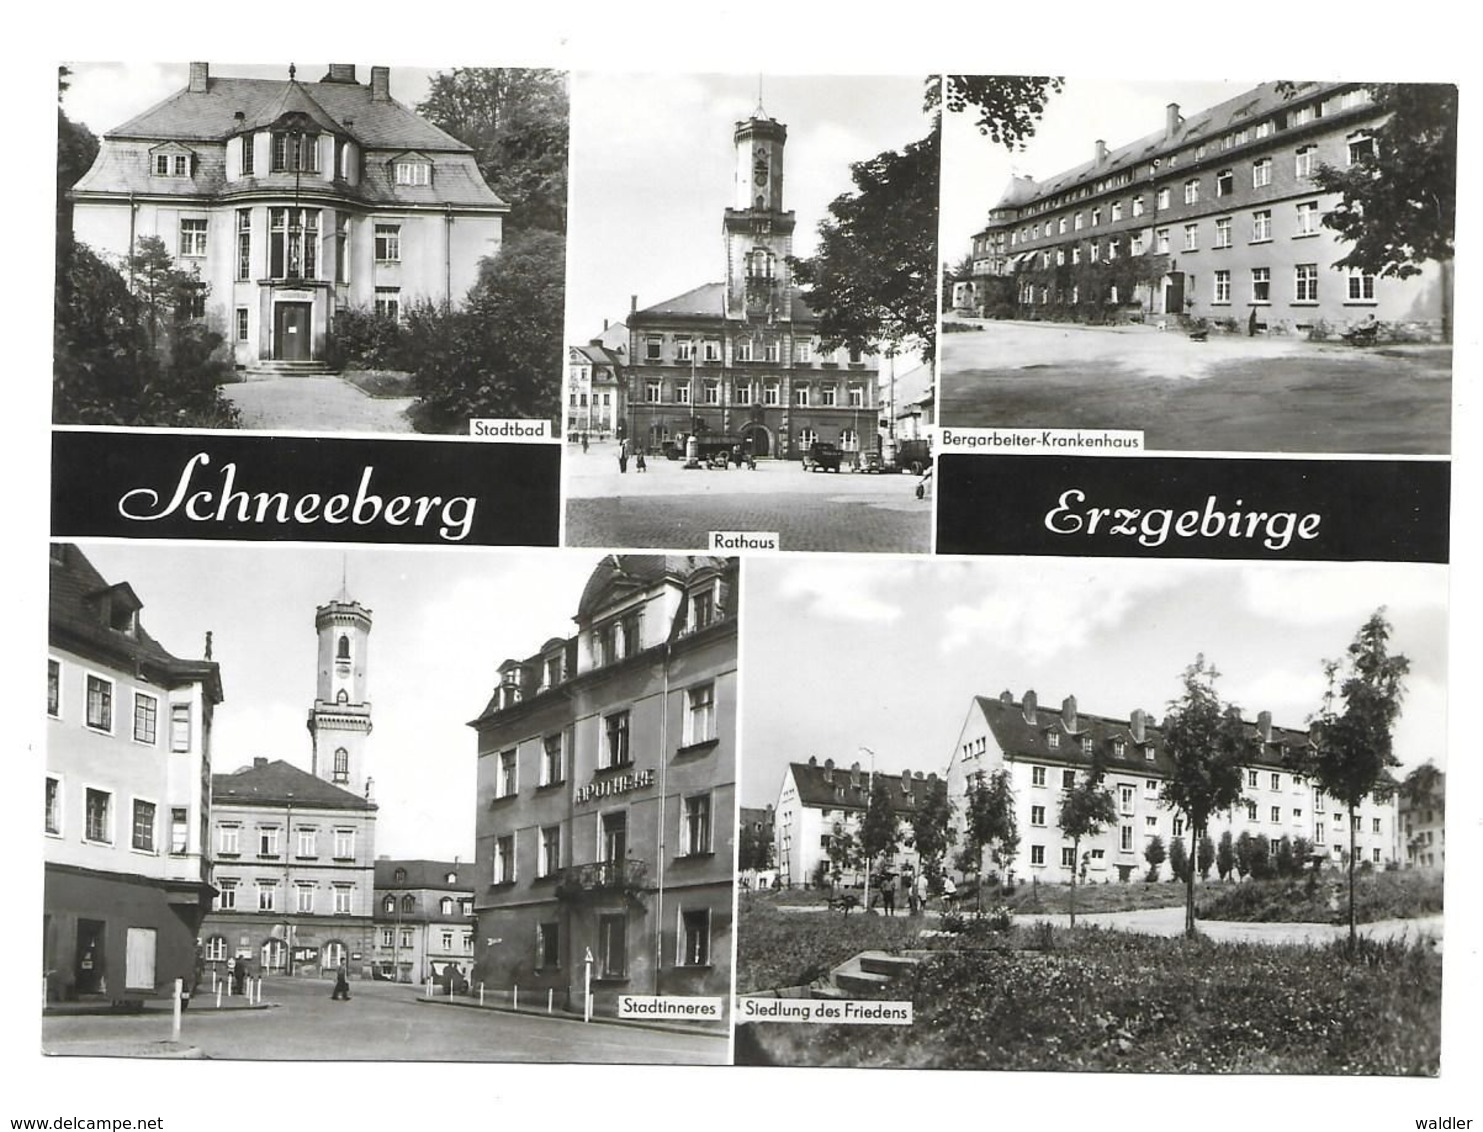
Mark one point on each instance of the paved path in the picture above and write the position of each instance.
(316, 404)
(1231, 393)
(1170, 922)
(670, 506)
(381, 1022)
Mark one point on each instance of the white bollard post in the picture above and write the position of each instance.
(481, 994)
(550, 999)
(43, 992)
(514, 998)
(175, 1019)
(218, 996)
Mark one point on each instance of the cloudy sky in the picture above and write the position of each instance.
(652, 168)
(844, 653)
(976, 171)
(442, 622)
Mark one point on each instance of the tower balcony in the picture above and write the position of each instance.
(602, 878)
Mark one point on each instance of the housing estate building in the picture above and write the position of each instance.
(819, 803)
(295, 850)
(605, 818)
(1047, 750)
(742, 358)
(1424, 826)
(424, 919)
(292, 200)
(1215, 215)
(128, 767)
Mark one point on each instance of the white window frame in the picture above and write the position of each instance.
(1305, 283)
(504, 862)
(704, 844)
(507, 773)
(1265, 281)
(344, 897)
(1261, 172)
(700, 714)
(194, 239)
(140, 699)
(546, 865)
(682, 955)
(344, 843)
(304, 897)
(111, 685)
(1222, 292)
(153, 848)
(180, 738)
(306, 845)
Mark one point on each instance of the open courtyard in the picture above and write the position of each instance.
(1231, 393)
(672, 507)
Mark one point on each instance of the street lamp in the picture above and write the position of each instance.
(288, 886)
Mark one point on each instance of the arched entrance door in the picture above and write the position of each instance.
(756, 439)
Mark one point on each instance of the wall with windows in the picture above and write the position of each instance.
(1056, 749)
(606, 795)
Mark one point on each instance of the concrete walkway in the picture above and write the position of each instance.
(1170, 922)
(316, 404)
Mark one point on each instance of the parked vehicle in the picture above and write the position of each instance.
(822, 457)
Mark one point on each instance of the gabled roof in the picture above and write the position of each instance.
(1019, 738)
(348, 108)
(709, 301)
(282, 784)
(426, 874)
(1239, 111)
(824, 786)
(78, 621)
(619, 575)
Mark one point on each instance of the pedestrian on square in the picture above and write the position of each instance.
(342, 982)
(888, 895)
(232, 975)
(584, 444)
(641, 465)
(922, 891)
(909, 893)
(623, 457)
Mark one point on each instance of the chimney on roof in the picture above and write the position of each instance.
(813, 760)
(1264, 726)
(259, 760)
(633, 304)
(1006, 697)
(340, 73)
(1099, 156)
(829, 770)
(1028, 704)
(1172, 120)
(594, 341)
(906, 782)
(200, 76)
(1138, 725)
(604, 326)
(1068, 713)
(370, 789)
(855, 775)
(380, 84)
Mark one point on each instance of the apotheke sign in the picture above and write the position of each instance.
(619, 785)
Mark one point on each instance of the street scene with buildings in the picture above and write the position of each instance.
(273, 893)
(1178, 860)
(283, 249)
(1224, 266)
(694, 413)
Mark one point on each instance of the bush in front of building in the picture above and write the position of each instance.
(366, 339)
(778, 949)
(1318, 898)
(500, 354)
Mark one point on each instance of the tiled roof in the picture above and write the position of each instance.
(426, 874)
(278, 783)
(77, 621)
(825, 786)
(620, 574)
(1244, 109)
(211, 115)
(1021, 739)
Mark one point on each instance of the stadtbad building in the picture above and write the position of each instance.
(1216, 215)
(293, 200)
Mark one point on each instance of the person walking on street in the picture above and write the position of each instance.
(584, 444)
(640, 465)
(342, 982)
(922, 891)
(623, 457)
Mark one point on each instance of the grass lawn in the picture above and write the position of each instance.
(786, 949)
(380, 382)
(1107, 1001)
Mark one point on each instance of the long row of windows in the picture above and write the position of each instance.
(268, 897)
(689, 349)
(100, 698)
(229, 841)
(1360, 285)
(293, 243)
(1359, 146)
(749, 392)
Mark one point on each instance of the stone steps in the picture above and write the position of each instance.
(269, 369)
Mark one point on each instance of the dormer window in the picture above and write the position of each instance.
(1086, 744)
(413, 173)
(1053, 738)
(172, 165)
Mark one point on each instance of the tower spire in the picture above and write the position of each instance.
(759, 112)
(344, 576)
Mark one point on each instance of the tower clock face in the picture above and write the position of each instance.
(759, 168)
